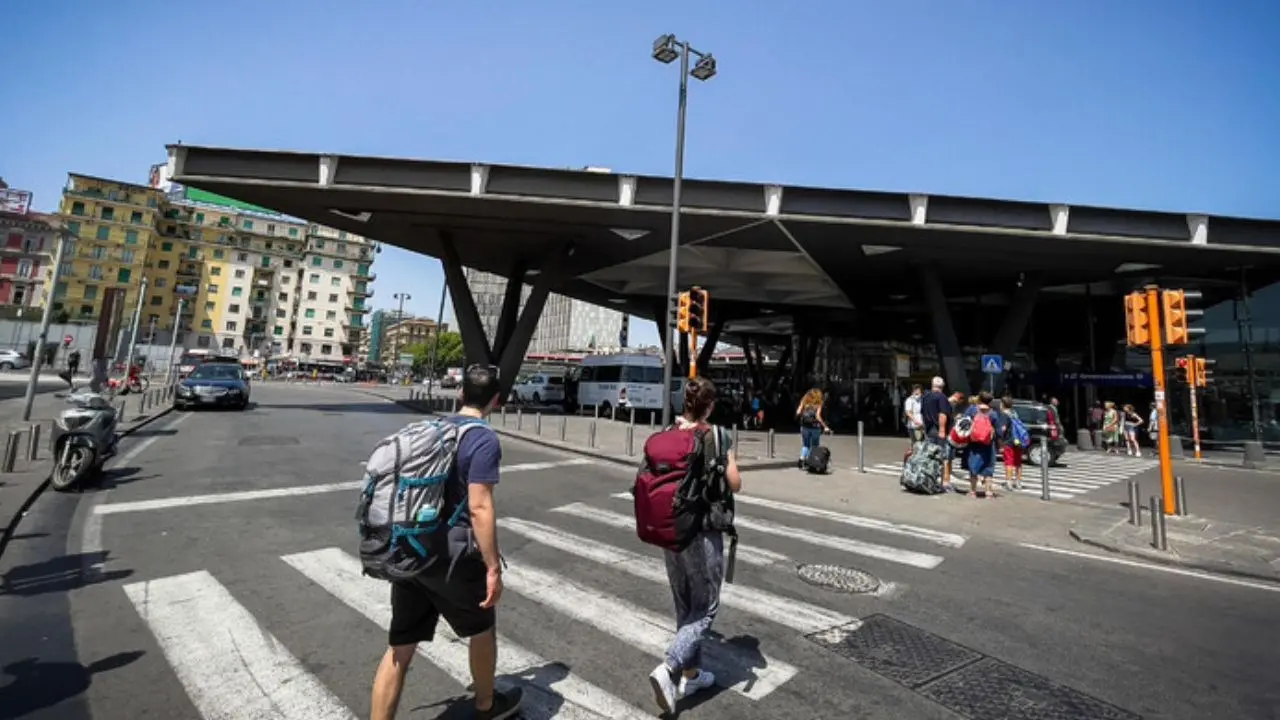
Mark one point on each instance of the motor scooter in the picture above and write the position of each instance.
(83, 438)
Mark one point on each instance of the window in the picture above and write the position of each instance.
(337, 264)
(311, 295)
(237, 291)
(319, 244)
(228, 343)
(283, 297)
(59, 291)
(130, 237)
(271, 229)
(266, 261)
(65, 268)
(215, 271)
(200, 218)
(163, 264)
(206, 324)
(293, 232)
(309, 313)
(24, 270)
(342, 250)
(306, 347)
(219, 254)
(331, 315)
(104, 232)
(95, 272)
(166, 247)
(306, 329)
(213, 289)
(239, 274)
(335, 281)
(243, 257)
(108, 213)
(157, 300)
(135, 217)
(288, 263)
(284, 280)
(231, 326)
(328, 332)
(122, 275)
(77, 208)
(161, 282)
(326, 349)
(333, 297)
(73, 227)
(233, 308)
(315, 261)
(248, 224)
(90, 292)
(281, 313)
(279, 330)
(127, 256)
(210, 306)
(99, 253)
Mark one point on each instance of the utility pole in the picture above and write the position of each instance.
(173, 341)
(133, 332)
(435, 346)
(395, 345)
(34, 380)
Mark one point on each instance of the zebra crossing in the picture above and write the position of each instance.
(1076, 474)
(573, 561)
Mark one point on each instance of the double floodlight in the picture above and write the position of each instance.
(666, 49)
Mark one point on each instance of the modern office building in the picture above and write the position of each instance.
(566, 324)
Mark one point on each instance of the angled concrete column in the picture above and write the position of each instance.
(522, 333)
(753, 368)
(474, 343)
(944, 331)
(1014, 326)
(709, 345)
(510, 308)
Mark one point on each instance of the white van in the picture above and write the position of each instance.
(621, 382)
(542, 388)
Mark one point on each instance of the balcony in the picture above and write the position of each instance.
(361, 290)
(365, 275)
(190, 271)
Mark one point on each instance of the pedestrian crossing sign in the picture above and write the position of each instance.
(992, 364)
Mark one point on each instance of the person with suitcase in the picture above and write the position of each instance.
(812, 426)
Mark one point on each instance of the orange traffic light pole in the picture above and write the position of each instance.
(1193, 374)
(693, 353)
(1162, 407)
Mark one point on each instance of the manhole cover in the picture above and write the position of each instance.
(268, 440)
(837, 577)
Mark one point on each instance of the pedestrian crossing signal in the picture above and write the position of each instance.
(1187, 370)
(1137, 319)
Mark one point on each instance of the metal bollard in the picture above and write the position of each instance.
(1135, 504)
(455, 406)
(735, 440)
(769, 440)
(631, 440)
(564, 427)
(537, 424)
(504, 416)
(33, 442)
(11, 451)
(595, 411)
(142, 409)
(653, 417)
(519, 418)
(1044, 467)
(1159, 539)
(591, 434)
(1179, 495)
(120, 412)
(862, 448)
(633, 416)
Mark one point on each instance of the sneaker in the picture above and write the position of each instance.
(664, 689)
(691, 685)
(505, 704)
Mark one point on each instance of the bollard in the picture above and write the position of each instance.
(142, 409)
(769, 439)
(1044, 467)
(11, 451)
(735, 440)
(633, 416)
(1084, 439)
(1135, 504)
(519, 418)
(33, 442)
(595, 411)
(455, 406)
(591, 434)
(653, 417)
(631, 440)
(1158, 538)
(537, 423)
(504, 416)
(862, 449)
(120, 413)
(564, 427)
(1179, 492)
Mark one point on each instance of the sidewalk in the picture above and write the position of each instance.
(20, 488)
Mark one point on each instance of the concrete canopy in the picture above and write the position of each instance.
(757, 248)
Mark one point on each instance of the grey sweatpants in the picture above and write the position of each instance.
(695, 575)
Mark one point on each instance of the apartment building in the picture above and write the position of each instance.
(28, 243)
(399, 335)
(566, 324)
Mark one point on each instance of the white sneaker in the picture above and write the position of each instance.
(701, 681)
(664, 689)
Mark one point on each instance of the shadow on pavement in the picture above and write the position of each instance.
(37, 685)
(163, 432)
(57, 575)
(344, 408)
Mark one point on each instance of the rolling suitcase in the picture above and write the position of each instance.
(922, 469)
(819, 460)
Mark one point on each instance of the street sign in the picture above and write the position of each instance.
(992, 364)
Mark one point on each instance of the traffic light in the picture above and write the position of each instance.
(1187, 369)
(683, 312)
(1203, 372)
(1137, 318)
(1175, 317)
(699, 320)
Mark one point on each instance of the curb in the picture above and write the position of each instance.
(1209, 566)
(11, 527)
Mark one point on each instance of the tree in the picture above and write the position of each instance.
(449, 355)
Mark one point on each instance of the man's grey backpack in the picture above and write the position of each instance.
(409, 509)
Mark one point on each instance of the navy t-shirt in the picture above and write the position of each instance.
(479, 457)
(932, 405)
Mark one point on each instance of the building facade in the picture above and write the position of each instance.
(28, 243)
(399, 335)
(566, 324)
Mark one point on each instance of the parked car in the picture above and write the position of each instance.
(13, 360)
(540, 388)
(1041, 421)
(214, 384)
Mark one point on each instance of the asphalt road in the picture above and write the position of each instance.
(14, 384)
(144, 601)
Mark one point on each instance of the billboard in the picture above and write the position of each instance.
(15, 201)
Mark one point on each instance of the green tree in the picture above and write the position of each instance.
(449, 355)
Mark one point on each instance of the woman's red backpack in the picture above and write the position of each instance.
(982, 432)
(672, 492)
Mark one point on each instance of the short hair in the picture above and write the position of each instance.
(480, 386)
(916, 387)
(699, 395)
(938, 383)
(985, 398)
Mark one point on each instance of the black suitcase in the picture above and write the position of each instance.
(819, 460)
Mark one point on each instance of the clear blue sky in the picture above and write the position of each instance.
(1139, 103)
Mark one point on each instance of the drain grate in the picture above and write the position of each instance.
(267, 440)
(838, 577)
(901, 652)
(990, 688)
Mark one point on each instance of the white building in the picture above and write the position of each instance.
(566, 324)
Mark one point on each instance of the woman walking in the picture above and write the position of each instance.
(1132, 421)
(809, 413)
(1110, 427)
(695, 573)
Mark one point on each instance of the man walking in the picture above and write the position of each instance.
(466, 597)
(912, 416)
(935, 412)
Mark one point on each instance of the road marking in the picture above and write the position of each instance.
(556, 693)
(1257, 585)
(91, 533)
(748, 555)
(231, 667)
(294, 491)
(744, 671)
(849, 545)
(796, 614)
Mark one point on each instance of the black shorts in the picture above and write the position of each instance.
(418, 605)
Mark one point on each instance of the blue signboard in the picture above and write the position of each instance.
(1123, 379)
(992, 364)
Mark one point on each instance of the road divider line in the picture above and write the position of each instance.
(748, 555)
(901, 556)
(231, 667)
(292, 491)
(796, 614)
(1256, 585)
(550, 692)
(746, 672)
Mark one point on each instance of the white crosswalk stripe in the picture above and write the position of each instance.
(1076, 474)
(233, 668)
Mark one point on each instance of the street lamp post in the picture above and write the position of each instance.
(395, 346)
(667, 49)
(46, 317)
(435, 346)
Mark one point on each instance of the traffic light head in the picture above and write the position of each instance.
(1175, 317)
(1187, 369)
(683, 312)
(1137, 318)
(1202, 371)
(698, 310)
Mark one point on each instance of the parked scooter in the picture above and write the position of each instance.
(84, 437)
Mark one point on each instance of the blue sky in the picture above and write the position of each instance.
(1142, 104)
